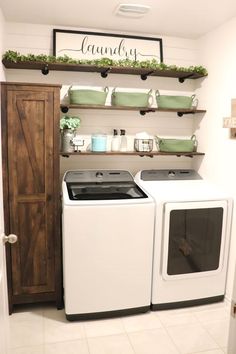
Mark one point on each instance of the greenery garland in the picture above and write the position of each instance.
(16, 57)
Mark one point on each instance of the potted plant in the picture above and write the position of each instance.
(68, 125)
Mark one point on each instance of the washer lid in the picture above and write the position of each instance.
(102, 185)
(169, 175)
(104, 191)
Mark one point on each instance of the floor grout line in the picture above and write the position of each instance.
(128, 333)
(131, 344)
(173, 342)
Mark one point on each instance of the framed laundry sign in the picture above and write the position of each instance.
(82, 45)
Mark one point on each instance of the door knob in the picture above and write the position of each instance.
(10, 238)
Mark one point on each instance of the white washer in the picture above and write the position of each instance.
(108, 227)
(192, 233)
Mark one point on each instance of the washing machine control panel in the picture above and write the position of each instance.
(94, 176)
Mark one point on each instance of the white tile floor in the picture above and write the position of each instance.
(195, 330)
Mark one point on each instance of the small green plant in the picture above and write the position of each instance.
(68, 122)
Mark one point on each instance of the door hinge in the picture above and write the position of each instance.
(233, 309)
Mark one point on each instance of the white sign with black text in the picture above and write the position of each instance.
(91, 45)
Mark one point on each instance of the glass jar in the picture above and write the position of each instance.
(99, 143)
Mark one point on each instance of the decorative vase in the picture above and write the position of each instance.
(67, 136)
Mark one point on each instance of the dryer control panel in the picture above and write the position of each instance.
(168, 175)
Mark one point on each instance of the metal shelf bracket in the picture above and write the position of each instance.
(64, 109)
(105, 72)
(145, 76)
(182, 79)
(45, 70)
(143, 112)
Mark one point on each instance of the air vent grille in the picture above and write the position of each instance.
(132, 10)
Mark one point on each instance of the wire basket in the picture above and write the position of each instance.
(143, 145)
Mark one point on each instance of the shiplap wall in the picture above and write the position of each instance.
(217, 53)
(2, 41)
(36, 39)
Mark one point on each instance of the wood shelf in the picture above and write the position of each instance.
(131, 153)
(142, 110)
(104, 71)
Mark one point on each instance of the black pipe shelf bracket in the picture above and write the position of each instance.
(180, 114)
(45, 70)
(64, 109)
(149, 155)
(105, 72)
(182, 79)
(143, 112)
(145, 76)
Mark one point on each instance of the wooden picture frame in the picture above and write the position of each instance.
(83, 45)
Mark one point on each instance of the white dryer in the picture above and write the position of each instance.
(192, 233)
(108, 226)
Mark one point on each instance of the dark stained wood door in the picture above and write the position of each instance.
(32, 153)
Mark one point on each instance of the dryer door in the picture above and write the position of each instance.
(193, 238)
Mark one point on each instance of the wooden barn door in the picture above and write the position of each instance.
(32, 191)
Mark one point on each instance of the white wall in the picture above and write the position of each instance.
(37, 39)
(2, 43)
(2, 78)
(217, 51)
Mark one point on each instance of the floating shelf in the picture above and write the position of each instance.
(104, 71)
(142, 110)
(131, 153)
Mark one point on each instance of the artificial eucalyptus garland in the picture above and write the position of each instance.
(16, 57)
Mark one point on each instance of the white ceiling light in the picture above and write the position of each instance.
(132, 10)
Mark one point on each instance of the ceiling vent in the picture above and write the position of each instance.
(132, 10)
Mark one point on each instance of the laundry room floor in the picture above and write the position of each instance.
(198, 330)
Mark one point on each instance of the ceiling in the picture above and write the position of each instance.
(182, 18)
